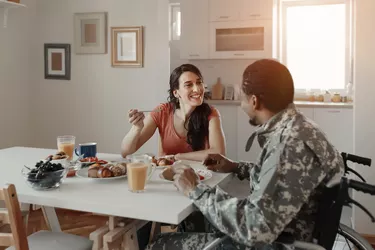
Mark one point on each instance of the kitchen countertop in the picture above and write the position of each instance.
(297, 103)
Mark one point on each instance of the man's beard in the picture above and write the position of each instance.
(253, 122)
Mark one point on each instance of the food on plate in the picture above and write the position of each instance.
(104, 172)
(118, 169)
(93, 159)
(109, 170)
(71, 172)
(154, 160)
(200, 174)
(93, 171)
(168, 173)
(163, 161)
(58, 156)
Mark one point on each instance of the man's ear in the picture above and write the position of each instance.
(255, 102)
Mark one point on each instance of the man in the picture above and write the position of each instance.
(295, 164)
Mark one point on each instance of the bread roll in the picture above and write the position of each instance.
(168, 173)
(104, 172)
(93, 172)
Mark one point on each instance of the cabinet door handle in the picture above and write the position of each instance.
(223, 17)
(239, 54)
(193, 55)
(333, 111)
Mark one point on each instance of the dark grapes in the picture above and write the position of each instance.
(45, 174)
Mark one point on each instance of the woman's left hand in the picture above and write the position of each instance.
(185, 178)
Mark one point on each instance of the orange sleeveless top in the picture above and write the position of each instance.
(171, 143)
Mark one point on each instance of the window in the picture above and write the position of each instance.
(175, 21)
(316, 43)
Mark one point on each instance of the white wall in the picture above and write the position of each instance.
(15, 82)
(364, 123)
(93, 105)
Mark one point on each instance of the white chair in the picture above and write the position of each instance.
(42, 240)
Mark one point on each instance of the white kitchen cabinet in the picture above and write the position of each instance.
(244, 131)
(194, 39)
(229, 124)
(236, 10)
(257, 9)
(225, 10)
(242, 39)
(338, 125)
(308, 112)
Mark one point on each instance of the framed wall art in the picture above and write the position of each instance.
(90, 33)
(57, 61)
(127, 46)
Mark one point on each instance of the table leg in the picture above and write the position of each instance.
(119, 234)
(51, 218)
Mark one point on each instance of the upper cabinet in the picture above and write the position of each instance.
(241, 39)
(257, 9)
(194, 39)
(240, 10)
(224, 10)
(223, 29)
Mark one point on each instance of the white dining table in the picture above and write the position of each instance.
(161, 202)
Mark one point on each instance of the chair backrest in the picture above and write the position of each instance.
(12, 216)
(328, 217)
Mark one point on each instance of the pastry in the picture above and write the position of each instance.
(162, 162)
(154, 160)
(118, 169)
(93, 172)
(95, 165)
(104, 172)
(168, 173)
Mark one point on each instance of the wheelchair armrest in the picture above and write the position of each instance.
(285, 238)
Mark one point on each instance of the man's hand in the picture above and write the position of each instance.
(185, 178)
(219, 163)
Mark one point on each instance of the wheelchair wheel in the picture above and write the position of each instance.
(350, 239)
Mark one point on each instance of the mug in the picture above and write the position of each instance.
(139, 173)
(146, 159)
(87, 149)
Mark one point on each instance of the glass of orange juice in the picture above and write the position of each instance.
(138, 175)
(66, 144)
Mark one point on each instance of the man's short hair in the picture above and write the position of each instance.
(271, 82)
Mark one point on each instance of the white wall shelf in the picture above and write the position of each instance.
(5, 6)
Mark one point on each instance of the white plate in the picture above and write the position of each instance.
(83, 173)
(207, 174)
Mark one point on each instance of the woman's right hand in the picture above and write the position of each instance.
(136, 118)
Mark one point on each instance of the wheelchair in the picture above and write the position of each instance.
(328, 227)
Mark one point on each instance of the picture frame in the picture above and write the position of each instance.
(127, 46)
(57, 61)
(90, 33)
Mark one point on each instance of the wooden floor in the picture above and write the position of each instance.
(73, 222)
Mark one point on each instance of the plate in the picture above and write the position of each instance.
(83, 173)
(206, 174)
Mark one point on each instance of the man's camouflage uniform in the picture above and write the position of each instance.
(295, 164)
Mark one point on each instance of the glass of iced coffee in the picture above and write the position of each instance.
(66, 144)
(138, 174)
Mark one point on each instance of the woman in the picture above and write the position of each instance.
(189, 128)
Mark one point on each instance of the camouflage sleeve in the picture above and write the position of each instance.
(243, 170)
(286, 180)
